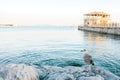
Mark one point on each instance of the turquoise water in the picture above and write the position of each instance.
(58, 46)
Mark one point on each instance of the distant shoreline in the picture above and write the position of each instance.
(6, 25)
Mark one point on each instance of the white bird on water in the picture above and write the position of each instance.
(88, 59)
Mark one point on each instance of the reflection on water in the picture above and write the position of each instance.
(100, 39)
(58, 46)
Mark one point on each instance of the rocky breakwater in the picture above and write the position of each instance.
(26, 72)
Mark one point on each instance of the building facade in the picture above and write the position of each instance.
(98, 19)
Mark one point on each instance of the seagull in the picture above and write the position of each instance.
(88, 59)
(83, 50)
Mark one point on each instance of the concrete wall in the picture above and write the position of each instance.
(107, 30)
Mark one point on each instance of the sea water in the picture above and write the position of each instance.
(59, 46)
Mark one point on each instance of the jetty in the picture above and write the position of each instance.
(100, 22)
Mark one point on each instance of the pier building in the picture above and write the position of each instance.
(98, 19)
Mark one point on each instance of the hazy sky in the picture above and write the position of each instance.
(53, 12)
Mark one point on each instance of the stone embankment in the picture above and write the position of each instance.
(105, 30)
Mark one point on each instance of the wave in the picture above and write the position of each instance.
(28, 72)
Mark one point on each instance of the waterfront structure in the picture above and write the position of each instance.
(98, 19)
(100, 22)
(105, 30)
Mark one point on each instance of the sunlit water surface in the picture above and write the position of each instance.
(58, 46)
